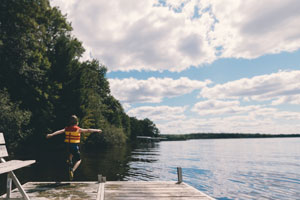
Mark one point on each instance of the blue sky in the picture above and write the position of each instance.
(197, 65)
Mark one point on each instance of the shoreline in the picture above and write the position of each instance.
(192, 136)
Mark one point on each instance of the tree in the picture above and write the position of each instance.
(28, 34)
(13, 120)
(149, 128)
(44, 80)
(143, 127)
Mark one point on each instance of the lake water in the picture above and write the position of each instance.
(222, 168)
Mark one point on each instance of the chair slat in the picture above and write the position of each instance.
(9, 166)
(2, 141)
(3, 151)
(14, 164)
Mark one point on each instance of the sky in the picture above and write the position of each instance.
(197, 66)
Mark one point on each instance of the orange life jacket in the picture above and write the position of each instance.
(72, 134)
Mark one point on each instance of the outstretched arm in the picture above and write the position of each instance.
(89, 130)
(55, 133)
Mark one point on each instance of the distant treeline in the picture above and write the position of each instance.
(43, 81)
(222, 136)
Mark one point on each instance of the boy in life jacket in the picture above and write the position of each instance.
(72, 138)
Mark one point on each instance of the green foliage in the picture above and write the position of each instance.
(143, 128)
(28, 34)
(41, 70)
(149, 128)
(13, 120)
(136, 128)
(111, 136)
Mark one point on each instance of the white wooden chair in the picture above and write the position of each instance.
(9, 166)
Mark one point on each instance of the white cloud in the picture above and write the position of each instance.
(243, 119)
(133, 34)
(185, 126)
(292, 99)
(152, 90)
(158, 113)
(268, 121)
(216, 107)
(126, 106)
(139, 35)
(248, 29)
(233, 109)
(283, 84)
(176, 34)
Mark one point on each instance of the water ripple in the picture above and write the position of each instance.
(226, 169)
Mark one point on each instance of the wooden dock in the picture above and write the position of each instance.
(111, 190)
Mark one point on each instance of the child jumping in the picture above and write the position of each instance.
(72, 138)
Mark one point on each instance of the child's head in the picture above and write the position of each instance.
(73, 120)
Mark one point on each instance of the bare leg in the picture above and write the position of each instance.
(70, 157)
(71, 174)
(76, 165)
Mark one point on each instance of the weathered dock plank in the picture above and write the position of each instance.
(111, 190)
(151, 190)
(58, 190)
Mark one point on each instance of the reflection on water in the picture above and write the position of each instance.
(224, 169)
(142, 162)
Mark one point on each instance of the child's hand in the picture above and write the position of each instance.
(48, 136)
(99, 131)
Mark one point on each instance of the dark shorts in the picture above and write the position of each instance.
(74, 150)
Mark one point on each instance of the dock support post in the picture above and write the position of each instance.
(179, 174)
(101, 179)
